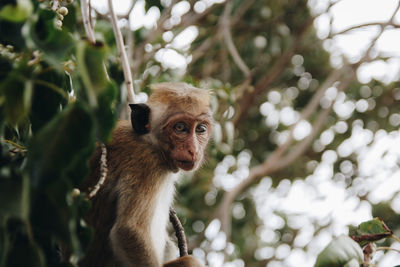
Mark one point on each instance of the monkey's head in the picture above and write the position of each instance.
(177, 119)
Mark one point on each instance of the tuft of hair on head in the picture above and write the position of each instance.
(179, 94)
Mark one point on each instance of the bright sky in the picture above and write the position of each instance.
(348, 13)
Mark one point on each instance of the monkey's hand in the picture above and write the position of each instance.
(185, 261)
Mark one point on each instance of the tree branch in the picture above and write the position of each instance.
(86, 22)
(139, 51)
(122, 54)
(276, 161)
(381, 24)
(127, 14)
(225, 28)
(248, 99)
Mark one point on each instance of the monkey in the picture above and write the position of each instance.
(166, 136)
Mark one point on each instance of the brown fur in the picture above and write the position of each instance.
(186, 261)
(123, 209)
(181, 96)
(127, 193)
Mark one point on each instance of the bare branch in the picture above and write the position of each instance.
(225, 28)
(122, 54)
(301, 147)
(186, 20)
(216, 36)
(245, 5)
(127, 14)
(139, 54)
(277, 161)
(86, 22)
(204, 47)
(273, 74)
(381, 24)
(130, 43)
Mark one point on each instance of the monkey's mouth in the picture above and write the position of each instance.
(185, 165)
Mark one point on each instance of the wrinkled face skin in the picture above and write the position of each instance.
(186, 137)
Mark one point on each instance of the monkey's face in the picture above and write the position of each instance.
(186, 137)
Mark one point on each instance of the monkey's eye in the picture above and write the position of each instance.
(180, 127)
(201, 128)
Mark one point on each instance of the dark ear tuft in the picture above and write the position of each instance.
(140, 118)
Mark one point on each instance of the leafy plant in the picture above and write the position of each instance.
(358, 248)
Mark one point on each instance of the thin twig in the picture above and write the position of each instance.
(22, 148)
(103, 171)
(320, 121)
(241, 11)
(395, 238)
(122, 54)
(388, 248)
(127, 14)
(381, 24)
(86, 22)
(274, 72)
(277, 160)
(225, 28)
(154, 34)
(273, 163)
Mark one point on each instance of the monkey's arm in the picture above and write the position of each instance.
(130, 237)
(131, 247)
(185, 261)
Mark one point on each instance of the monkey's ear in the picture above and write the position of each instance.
(140, 118)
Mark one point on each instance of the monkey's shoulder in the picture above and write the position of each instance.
(130, 150)
(125, 138)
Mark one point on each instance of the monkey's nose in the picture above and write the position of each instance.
(193, 149)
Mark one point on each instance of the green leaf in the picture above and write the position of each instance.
(374, 226)
(53, 42)
(59, 143)
(105, 112)
(17, 95)
(17, 13)
(339, 252)
(371, 231)
(90, 66)
(14, 197)
(352, 263)
(48, 97)
(11, 34)
(22, 250)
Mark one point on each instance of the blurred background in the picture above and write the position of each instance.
(306, 141)
(306, 97)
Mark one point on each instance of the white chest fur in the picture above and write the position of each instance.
(160, 218)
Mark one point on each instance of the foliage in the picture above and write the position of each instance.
(60, 95)
(344, 251)
(340, 252)
(56, 103)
